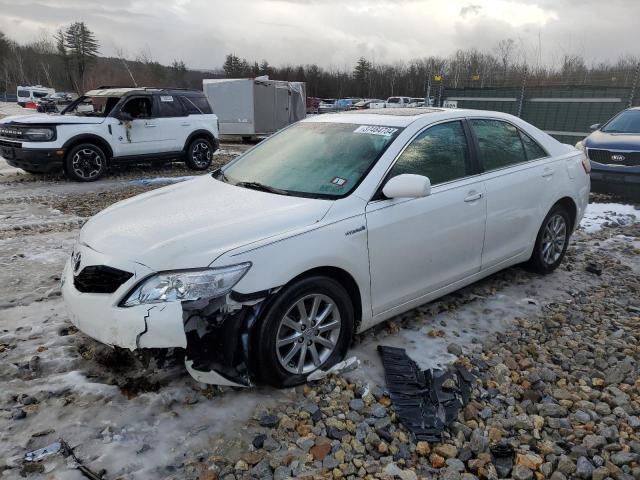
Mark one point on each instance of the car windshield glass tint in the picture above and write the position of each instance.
(98, 106)
(313, 159)
(626, 122)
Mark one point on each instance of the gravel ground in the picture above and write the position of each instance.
(556, 360)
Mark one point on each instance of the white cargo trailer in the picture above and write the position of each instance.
(251, 107)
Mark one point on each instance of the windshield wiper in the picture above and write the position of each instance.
(262, 187)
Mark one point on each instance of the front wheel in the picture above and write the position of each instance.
(85, 163)
(308, 327)
(200, 154)
(552, 241)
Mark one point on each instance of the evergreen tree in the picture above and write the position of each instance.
(81, 47)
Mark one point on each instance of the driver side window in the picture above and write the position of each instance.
(139, 107)
(440, 153)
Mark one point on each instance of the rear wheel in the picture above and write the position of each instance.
(200, 154)
(552, 241)
(308, 327)
(85, 162)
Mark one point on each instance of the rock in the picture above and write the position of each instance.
(584, 468)
(624, 458)
(268, 421)
(356, 404)
(437, 461)
(552, 410)
(455, 464)
(600, 473)
(454, 349)
(394, 471)
(521, 472)
(445, 450)
(379, 411)
(557, 476)
(258, 441)
(593, 442)
(282, 473)
(479, 443)
(529, 460)
(566, 466)
(422, 448)
(319, 452)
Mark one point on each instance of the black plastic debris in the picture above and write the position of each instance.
(503, 454)
(426, 401)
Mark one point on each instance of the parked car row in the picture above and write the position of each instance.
(327, 105)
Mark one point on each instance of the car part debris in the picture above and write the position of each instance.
(41, 453)
(344, 366)
(426, 401)
(503, 454)
(63, 447)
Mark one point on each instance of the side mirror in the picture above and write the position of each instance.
(594, 127)
(124, 116)
(407, 186)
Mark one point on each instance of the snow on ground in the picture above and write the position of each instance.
(134, 419)
(599, 214)
(12, 108)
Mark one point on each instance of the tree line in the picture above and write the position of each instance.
(70, 60)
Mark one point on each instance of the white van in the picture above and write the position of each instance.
(32, 94)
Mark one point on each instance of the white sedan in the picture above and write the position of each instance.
(264, 270)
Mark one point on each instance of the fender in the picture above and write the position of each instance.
(201, 133)
(91, 138)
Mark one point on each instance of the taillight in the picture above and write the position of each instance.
(586, 164)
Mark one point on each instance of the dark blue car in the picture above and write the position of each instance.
(614, 151)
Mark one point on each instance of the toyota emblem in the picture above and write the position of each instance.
(77, 259)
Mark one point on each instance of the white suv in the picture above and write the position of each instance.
(265, 269)
(113, 125)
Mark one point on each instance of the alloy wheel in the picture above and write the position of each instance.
(554, 239)
(308, 334)
(201, 154)
(87, 163)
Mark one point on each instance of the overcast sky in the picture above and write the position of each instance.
(334, 32)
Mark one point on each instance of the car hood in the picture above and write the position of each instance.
(190, 224)
(40, 118)
(613, 141)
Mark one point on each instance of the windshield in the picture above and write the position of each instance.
(627, 122)
(91, 106)
(312, 159)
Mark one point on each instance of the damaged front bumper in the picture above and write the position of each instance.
(215, 333)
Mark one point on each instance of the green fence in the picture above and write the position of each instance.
(565, 112)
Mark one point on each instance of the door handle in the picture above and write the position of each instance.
(548, 172)
(185, 124)
(149, 124)
(473, 197)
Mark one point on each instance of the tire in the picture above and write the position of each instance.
(85, 162)
(270, 361)
(552, 241)
(200, 154)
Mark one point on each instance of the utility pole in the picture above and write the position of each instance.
(524, 82)
(634, 86)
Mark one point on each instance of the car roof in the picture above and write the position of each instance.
(121, 91)
(403, 117)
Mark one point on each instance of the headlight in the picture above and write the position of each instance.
(182, 285)
(39, 134)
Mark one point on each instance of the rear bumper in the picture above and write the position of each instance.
(34, 159)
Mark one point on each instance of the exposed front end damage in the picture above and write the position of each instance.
(218, 333)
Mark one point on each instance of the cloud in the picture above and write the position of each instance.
(470, 10)
(334, 33)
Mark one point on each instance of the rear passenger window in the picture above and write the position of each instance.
(169, 106)
(440, 153)
(531, 147)
(499, 143)
(196, 105)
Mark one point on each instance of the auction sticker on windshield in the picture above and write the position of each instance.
(376, 130)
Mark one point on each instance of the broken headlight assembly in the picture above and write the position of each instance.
(39, 134)
(181, 285)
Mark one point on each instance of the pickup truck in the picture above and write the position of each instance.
(392, 102)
